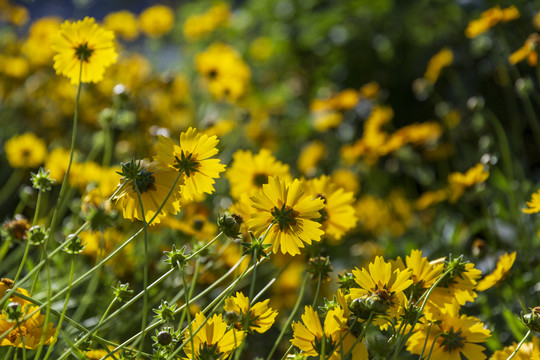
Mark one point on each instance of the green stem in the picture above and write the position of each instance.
(425, 342)
(38, 205)
(432, 346)
(289, 320)
(9, 187)
(22, 340)
(62, 316)
(188, 312)
(319, 281)
(107, 146)
(519, 345)
(48, 307)
(365, 325)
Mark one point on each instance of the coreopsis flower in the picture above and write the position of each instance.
(291, 214)
(25, 151)
(156, 20)
(192, 157)
(527, 51)
(84, 50)
(489, 19)
(213, 340)
(503, 267)
(200, 25)
(338, 216)
(31, 329)
(249, 172)
(261, 316)
(383, 286)
(527, 351)
(310, 156)
(37, 47)
(123, 23)
(154, 184)
(459, 182)
(451, 336)
(533, 204)
(309, 335)
(423, 272)
(440, 60)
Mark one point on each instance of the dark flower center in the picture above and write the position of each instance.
(260, 179)
(186, 164)
(284, 217)
(83, 52)
(452, 340)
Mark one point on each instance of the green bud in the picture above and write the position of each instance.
(36, 235)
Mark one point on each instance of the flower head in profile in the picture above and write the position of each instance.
(84, 49)
(490, 18)
(153, 183)
(249, 172)
(291, 214)
(192, 157)
(503, 267)
(261, 316)
(459, 182)
(213, 340)
(309, 335)
(452, 336)
(338, 216)
(383, 287)
(533, 204)
(25, 151)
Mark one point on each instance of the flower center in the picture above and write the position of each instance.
(19, 332)
(260, 179)
(145, 181)
(186, 164)
(83, 52)
(452, 340)
(208, 353)
(284, 217)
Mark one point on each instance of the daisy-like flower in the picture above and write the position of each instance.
(309, 335)
(261, 316)
(503, 267)
(533, 204)
(459, 182)
(250, 172)
(213, 340)
(25, 151)
(384, 286)
(192, 158)
(527, 351)
(290, 213)
(83, 46)
(423, 273)
(153, 183)
(338, 216)
(452, 337)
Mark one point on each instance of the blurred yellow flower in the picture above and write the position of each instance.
(123, 23)
(192, 159)
(16, 14)
(14, 66)
(292, 213)
(84, 50)
(503, 267)
(442, 59)
(261, 316)
(200, 25)
(156, 20)
(249, 172)
(310, 156)
(37, 47)
(459, 182)
(533, 204)
(527, 351)
(489, 19)
(527, 51)
(213, 338)
(25, 151)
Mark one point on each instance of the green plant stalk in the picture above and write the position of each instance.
(190, 293)
(425, 342)
(48, 307)
(365, 325)
(432, 346)
(10, 185)
(519, 345)
(22, 340)
(319, 281)
(8, 354)
(289, 319)
(187, 310)
(64, 309)
(107, 146)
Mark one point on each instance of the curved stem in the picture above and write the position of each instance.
(519, 345)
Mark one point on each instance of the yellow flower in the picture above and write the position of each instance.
(452, 337)
(200, 25)
(213, 338)
(249, 172)
(154, 183)
(37, 47)
(490, 18)
(28, 331)
(292, 214)
(310, 157)
(459, 182)
(423, 273)
(384, 284)
(261, 316)
(25, 151)
(346, 179)
(527, 51)
(338, 216)
(156, 20)
(309, 334)
(430, 198)
(192, 158)
(123, 23)
(439, 61)
(84, 42)
(534, 204)
(503, 267)
(527, 351)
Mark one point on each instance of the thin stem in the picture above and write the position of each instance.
(432, 346)
(289, 320)
(187, 312)
(10, 185)
(38, 206)
(425, 342)
(22, 340)
(519, 345)
(319, 281)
